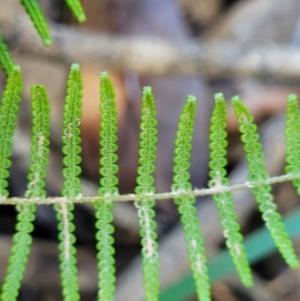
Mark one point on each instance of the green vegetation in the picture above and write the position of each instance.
(145, 193)
(181, 191)
(71, 189)
(217, 164)
(186, 204)
(262, 194)
(145, 186)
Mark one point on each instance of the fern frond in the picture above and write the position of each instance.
(26, 213)
(71, 190)
(145, 188)
(38, 19)
(108, 188)
(292, 133)
(218, 161)
(262, 194)
(186, 204)
(8, 118)
(6, 61)
(76, 7)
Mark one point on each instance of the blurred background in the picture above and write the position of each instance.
(179, 47)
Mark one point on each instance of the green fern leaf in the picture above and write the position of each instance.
(33, 9)
(8, 119)
(257, 172)
(40, 142)
(76, 7)
(26, 213)
(5, 60)
(71, 190)
(145, 188)
(218, 143)
(108, 189)
(185, 204)
(293, 139)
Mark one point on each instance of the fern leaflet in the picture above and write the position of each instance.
(145, 188)
(8, 118)
(185, 204)
(26, 213)
(218, 143)
(108, 188)
(40, 142)
(293, 139)
(76, 7)
(71, 190)
(5, 60)
(33, 10)
(257, 172)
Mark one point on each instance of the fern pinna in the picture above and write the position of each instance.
(6, 61)
(76, 7)
(71, 188)
(257, 172)
(35, 189)
(145, 189)
(293, 139)
(218, 143)
(108, 189)
(8, 118)
(186, 204)
(38, 19)
(32, 8)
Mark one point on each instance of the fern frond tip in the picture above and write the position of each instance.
(235, 99)
(77, 9)
(75, 66)
(191, 99)
(37, 17)
(17, 68)
(219, 97)
(106, 87)
(81, 18)
(6, 61)
(47, 42)
(103, 74)
(147, 89)
(292, 98)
